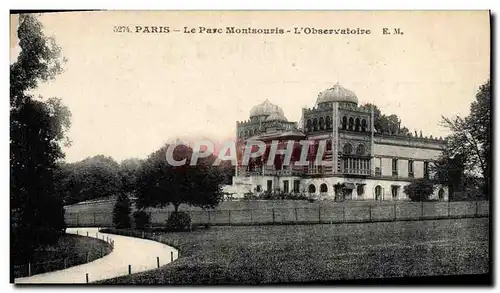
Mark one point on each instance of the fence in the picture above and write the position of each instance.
(92, 254)
(340, 213)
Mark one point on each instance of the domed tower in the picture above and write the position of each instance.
(264, 109)
(338, 94)
(264, 117)
(338, 118)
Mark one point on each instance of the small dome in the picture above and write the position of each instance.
(265, 109)
(275, 116)
(337, 94)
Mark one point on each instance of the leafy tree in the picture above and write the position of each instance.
(128, 173)
(37, 132)
(160, 184)
(419, 190)
(389, 124)
(450, 170)
(91, 178)
(121, 212)
(471, 138)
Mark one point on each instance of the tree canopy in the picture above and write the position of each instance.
(160, 184)
(389, 124)
(92, 178)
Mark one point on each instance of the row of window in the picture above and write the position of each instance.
(286, 186)
(352, 124)
(249, 132)
(348, 149)
(410, 168)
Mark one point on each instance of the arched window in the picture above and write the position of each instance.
(441, 194)
(312, 188)
(351, 123)
(328, 122)
(309, 125)
(378, 193)
(250, 132)
(321, 123)
(344, 122)
(323, 188)
(357, 125)
(363, 125)
(360, 150)
(347, 150)
(315, 124)
(328, 145)
(246, 133)
(242, 134)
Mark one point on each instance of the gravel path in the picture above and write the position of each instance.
(141, 254)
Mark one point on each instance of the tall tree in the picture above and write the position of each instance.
(121, 212)
(37, 132)
(471, 137)
(128, 173)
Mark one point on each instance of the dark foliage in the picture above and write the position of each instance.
(419, 190)
(121, 212)
(160, 184)
(141, 220)
(92, 178)
(178, 221)
(269, 195)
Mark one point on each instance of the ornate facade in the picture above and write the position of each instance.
(360, 162)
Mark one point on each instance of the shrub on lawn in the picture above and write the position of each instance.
(250, 196)
(141, 220)
(178, 221)
(419, 190)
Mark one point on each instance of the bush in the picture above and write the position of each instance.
(178, 221)
(419, 190)
(250, 196)
(141, 220)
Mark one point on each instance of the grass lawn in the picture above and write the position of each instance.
(70, 250)
(304, 253)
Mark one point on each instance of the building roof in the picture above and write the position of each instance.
(337, 94)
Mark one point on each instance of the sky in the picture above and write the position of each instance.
(129, 93)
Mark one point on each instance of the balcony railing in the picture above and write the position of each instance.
(356, 171)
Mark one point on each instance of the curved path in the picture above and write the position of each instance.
(140, 253)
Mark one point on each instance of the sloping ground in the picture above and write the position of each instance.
(141, 254)
(69, 250)
(305, 253)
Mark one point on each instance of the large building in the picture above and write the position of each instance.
(362, 163)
